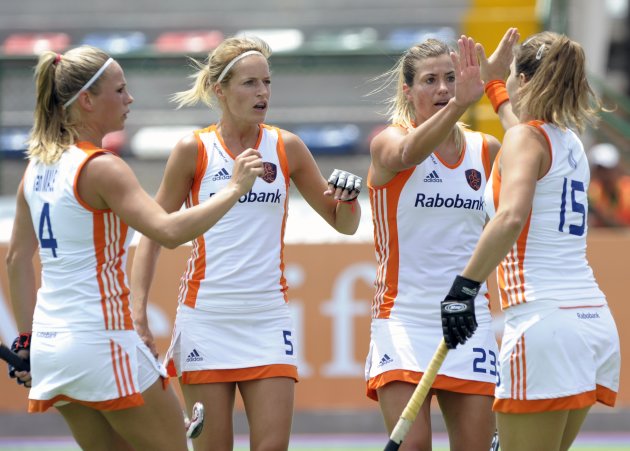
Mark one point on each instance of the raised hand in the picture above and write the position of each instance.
(468, 83)
(247, 166)
(498, 65)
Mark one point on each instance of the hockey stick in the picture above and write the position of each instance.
(195, 424)
(417, 399)
(495, 442)
(13, 359)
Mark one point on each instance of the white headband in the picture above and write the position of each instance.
(89, 83)
(229, 65)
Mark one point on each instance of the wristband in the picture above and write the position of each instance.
(22, 341)
(496, 93)
(351, 202)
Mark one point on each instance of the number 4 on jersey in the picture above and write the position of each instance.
(44, 220)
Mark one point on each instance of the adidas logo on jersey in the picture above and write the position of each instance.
(385, 360)
(194, 357)
(433, 177)
(221, 175)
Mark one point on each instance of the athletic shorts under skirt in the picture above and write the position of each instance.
(402, 352)
(232, 346)
(557, 359)
(105, 370)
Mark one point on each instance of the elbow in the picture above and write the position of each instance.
(168, 239)
(407, 159)
(348, 230)
(16, 260)
(10, 261)
(170, 242)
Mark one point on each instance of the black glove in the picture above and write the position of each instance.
(458, 312)
(21, 342)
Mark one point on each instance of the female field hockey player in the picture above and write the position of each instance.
(426, 180)
(233, 328)
(560, 347)
(78, 204)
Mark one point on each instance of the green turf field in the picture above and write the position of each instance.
(589, 441)
(309, 448)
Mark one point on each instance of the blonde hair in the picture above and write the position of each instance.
(208, 73)
(400, 111)
(557, 89)
(57, 79)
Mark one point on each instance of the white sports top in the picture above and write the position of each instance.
(548, 261)
(238, 263)
(427, 221)
(83, 251)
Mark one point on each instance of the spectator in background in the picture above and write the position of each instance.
(609, 191)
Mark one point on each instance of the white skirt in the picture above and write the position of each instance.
(207, 341)
(397, 348)
(107, 370)
(557, 359)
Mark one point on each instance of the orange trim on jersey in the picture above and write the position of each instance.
(122, 370)
(91, 151)
(109, 249)
(510, 272)
(511, 277)
(458, 162)
(260, 135)
(384, 202)
(518, 371)
(601, 394)
(240, 374)
(442, 382)
(220, 138)
(135, 400)
(284, 166)
(538, 126)
(196, 266)
(170, 368)
(485, 156)
(282, 157)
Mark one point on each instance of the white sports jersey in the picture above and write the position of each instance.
(82, 250)
(238, 262)
(548, 261)
(427, 220)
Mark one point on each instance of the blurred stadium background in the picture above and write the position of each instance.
(326, 56)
